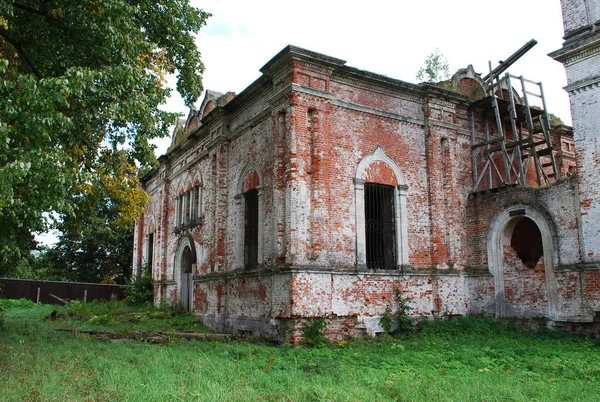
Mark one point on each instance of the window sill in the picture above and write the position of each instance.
(189, 225)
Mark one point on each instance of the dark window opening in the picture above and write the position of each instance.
(195, 203)
(149, 250)
(251, 229)
(380, 226)
(179, 217)
(526, 240)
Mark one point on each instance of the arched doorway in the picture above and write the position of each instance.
(186, 279)
(525, 293)
(185, 263)
(521, 258)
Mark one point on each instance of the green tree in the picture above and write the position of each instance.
(434, 69)
(96, 237)
(79, 78)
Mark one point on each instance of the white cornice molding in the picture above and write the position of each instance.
(583, 85)
(578, 50)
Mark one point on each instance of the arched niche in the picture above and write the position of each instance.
(512, 228)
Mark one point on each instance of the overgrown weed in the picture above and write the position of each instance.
(462, 358)
(484, 325)
(140, 290)
(396, 316)
(312, 332)
(120, 316)
(16, 303)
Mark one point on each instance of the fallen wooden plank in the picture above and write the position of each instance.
(198, 335)
(63, 301)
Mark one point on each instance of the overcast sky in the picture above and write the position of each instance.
(386, 37)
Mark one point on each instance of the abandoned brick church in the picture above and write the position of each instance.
(321, 188)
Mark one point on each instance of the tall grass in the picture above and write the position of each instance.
(468, 359)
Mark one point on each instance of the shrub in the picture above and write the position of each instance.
(312, 331)
(141, 289)
(1, 310)
(471, 324)
(387, 319)
(405, 323)
(172, 309)
(6, 304)
(401, 317)
(18, 303)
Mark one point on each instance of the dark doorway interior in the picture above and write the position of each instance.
(526, 240)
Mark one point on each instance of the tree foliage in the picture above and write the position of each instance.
(81, 81)
(434, 69)
(96, 238)
(555, 120)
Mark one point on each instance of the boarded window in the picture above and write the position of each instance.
(251, 229)
(380, 226)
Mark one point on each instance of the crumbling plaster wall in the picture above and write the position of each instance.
(306, 143)
(579, 13)
(557, 202)
(354, 118)
(576, 285)
(580, 56)
(304, 127)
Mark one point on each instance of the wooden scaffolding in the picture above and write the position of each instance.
(515, 145)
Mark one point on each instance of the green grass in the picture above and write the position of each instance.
(468, 359)
(117, 316)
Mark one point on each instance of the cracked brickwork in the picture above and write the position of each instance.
(298, 135)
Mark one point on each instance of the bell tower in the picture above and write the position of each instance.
(580, 55)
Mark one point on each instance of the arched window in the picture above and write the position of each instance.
(251, 228)
(380, 228)
(149, 246)
(381, 224)
(188, 211)
(250, 220)
(149, 250)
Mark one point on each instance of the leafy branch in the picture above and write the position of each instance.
(434, 69)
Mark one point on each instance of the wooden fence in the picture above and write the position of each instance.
(51, 292)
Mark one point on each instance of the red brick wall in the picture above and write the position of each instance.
(301, 130)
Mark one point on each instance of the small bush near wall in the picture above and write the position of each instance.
(141, 289)
(401, 318)
(312, 332)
